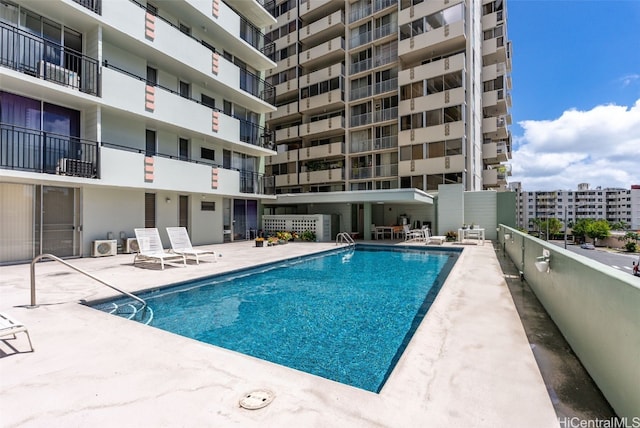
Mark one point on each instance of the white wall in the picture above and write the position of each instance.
(480, 208)
(450, 208)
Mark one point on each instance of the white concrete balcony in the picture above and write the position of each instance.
(286, 40)
(430, 102)
(284, 111)
(324, 176)
(228, 24)
(441, 39)
(286, 157)
(326, 28)
(496, 176)
(494, 50)
(287, 134)
(445, 131)
(323, 151)
(496, 127)
(322, 75)
(331, 100)
(492, 20)
(130, 169)
(439, 165)
(310, 10)
(412, 13)
(329, 52)
(495, 152)
(287, 180)
(496, 101)
(175, 49)
(432, 69)
(254, 11)
(330, 126)
(133, 96)
(493, 71)
(286, 88)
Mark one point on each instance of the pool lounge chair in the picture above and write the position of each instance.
(181, 244)
(438, 239)
(9, 327)
(150, 248)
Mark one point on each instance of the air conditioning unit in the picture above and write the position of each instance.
(59, 74)
(106, 247)
(75, 167)
(131, 245)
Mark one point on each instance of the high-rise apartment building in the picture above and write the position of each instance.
(123, 114)
(611, 204)
(389, 94)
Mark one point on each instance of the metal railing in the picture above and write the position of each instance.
(250, 132)
(77, 269)
(93, 5)
(35, 56)
(46, 152)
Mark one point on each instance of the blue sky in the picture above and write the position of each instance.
(576, 93)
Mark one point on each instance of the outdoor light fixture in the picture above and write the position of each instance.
(507, 236)
(542, 262)
(168, 200)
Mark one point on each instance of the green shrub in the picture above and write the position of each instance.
(631, 247)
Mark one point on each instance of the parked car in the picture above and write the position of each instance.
(587, 246)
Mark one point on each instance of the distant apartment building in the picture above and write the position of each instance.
(389, 94)
(615, 205)
(123, 114)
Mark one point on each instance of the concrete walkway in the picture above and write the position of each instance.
(468, 365)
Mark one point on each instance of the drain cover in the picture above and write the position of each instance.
(256, 399)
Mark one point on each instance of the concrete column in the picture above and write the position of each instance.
(366, 229)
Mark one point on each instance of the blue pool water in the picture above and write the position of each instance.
(345, 316)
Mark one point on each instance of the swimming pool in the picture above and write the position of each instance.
(342, 315)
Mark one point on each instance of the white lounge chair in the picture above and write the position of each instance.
(438, 239)
(9, 327)
(150, 248)
(181, 244)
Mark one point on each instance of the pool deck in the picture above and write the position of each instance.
(468, 365)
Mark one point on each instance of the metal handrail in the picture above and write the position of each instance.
(344, 236)
(51, 256)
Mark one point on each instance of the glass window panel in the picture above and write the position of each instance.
(454, 147)
(452, 114)
(417, 151)
(405, 153)
(436, 150)
(434, 117)
(453, 80)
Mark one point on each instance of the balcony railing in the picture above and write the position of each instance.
(385, 30)
(386, 114)
(361, 119)
(386, 86)
(383, 4)
(359, 13)
(358, 93)
(93, 5)
(250, 181)
(250, 133)
(38, 57)
(359, 39)
(45, 152)
(249, 82)
(390, 170)
(359, 66)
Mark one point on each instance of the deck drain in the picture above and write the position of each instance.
(256, 399)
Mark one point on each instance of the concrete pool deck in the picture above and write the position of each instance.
(469, 364)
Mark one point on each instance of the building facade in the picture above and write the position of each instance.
(390, 94)
(123, 114)
(614, 205)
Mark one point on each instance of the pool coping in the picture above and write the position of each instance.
(468, 364)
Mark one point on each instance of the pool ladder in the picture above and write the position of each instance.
(142, 309)
(345, 238)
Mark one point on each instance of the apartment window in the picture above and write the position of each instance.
(183, 148)
(150, 143)
(435, 150)
(208, 101)
(227, 107)
(152, 76)
(149, 210)
(185, 89)
(207, 154)
(207, 206)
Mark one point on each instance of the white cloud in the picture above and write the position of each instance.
(629, 79)
(600, 146)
